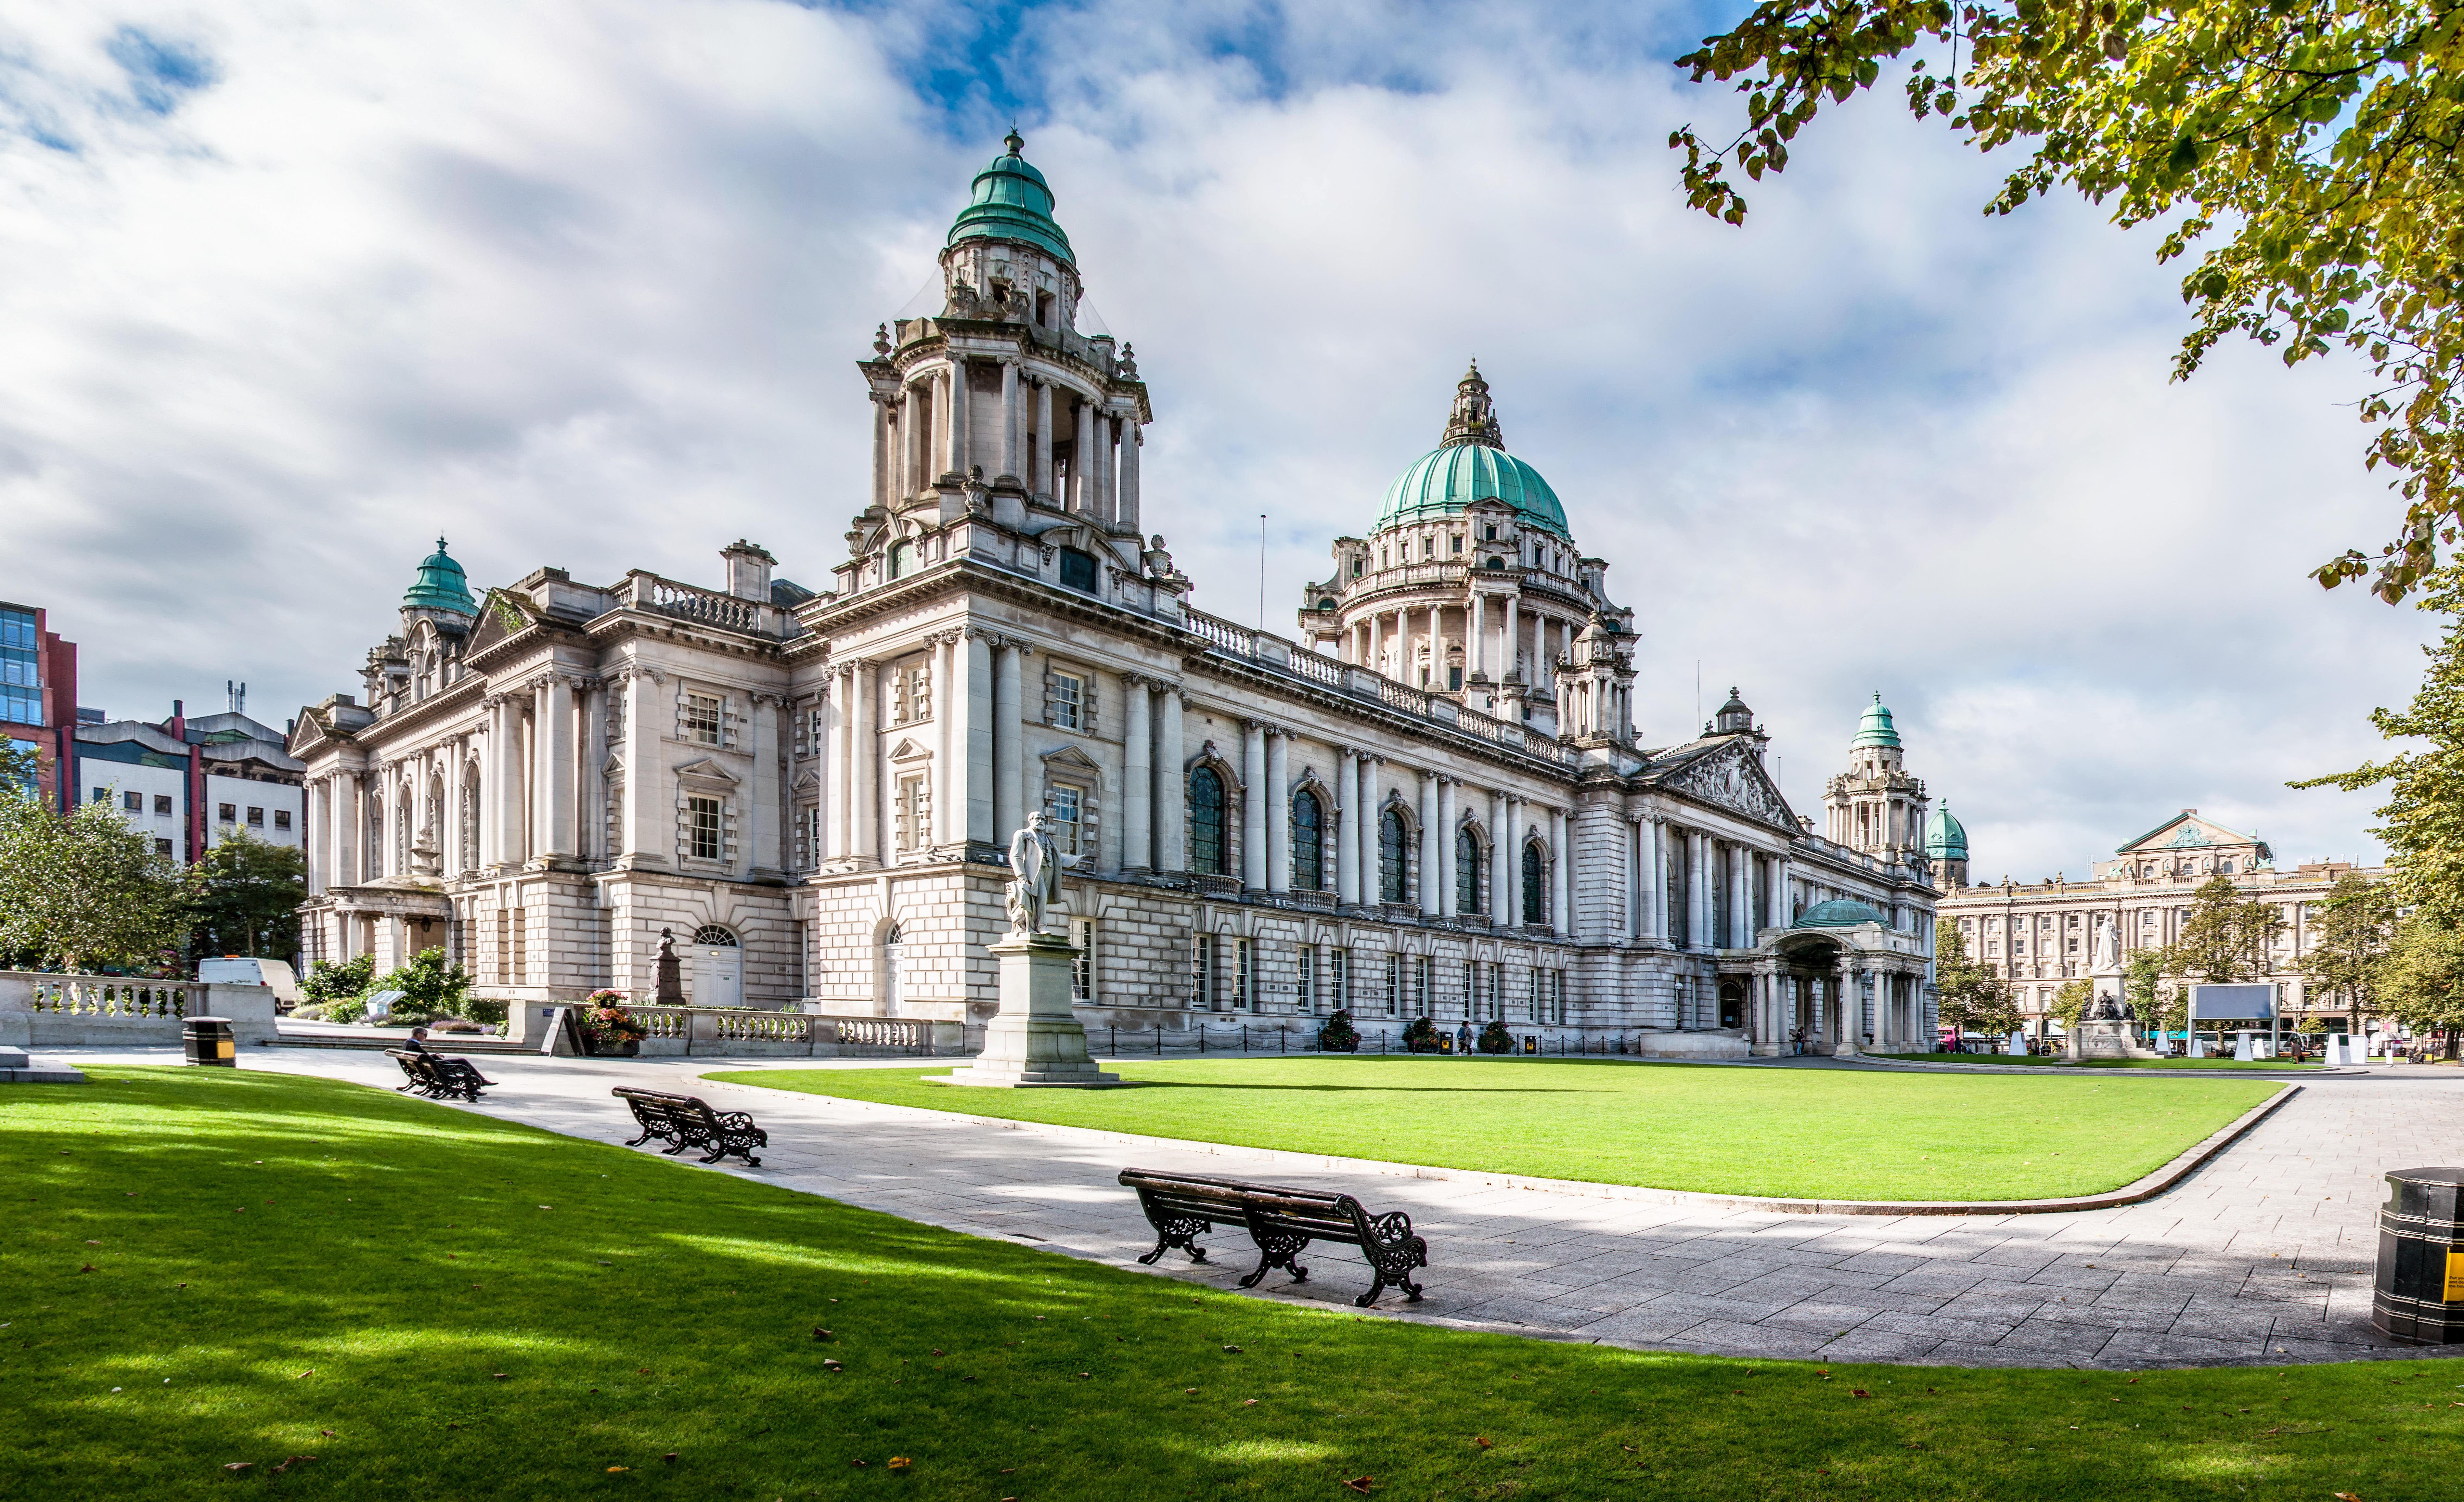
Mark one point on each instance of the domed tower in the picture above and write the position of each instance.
(437, 614)
(1875, 806)
(1011, 397)
(1469, 585)
(440, 591)
(1946, 848)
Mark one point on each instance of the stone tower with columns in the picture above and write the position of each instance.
(1876, 806)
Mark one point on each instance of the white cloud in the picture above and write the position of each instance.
(581, 285)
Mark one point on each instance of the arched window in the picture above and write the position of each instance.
(712, 933)
(1393, 841)
(1309, 842)
(1467, 871)
(1535, 895)
(1206, 852)
(902, 560)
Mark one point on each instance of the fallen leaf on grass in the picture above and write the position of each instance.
(237, 1465)
(1191, 1391)
(2133, 1382)
(92, 1242)
(293, 1461)
(328, 1433)
(938, 1351)
(1245, 1402)
(2346, 1496)
(1629, 1449)
(311, 1372)
(1858, 1392)
(899, 1462)
(499, 1376)
(1825, 1376)
(819, 1334)
(641, 1371)
(1091, 1374)
(89, 1268)
(618, 1469)
(1234, 1349)
(856, 1463)
(832, 1367)
(1361, 1484)
(1483, 1440)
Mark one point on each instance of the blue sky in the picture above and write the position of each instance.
(291, 290)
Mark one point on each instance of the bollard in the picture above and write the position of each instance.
(208, 1040)
(2418, 1296)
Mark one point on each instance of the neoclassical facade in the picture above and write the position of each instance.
(1431, 800)
(2039, 935)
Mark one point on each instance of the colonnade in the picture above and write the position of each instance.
(1840, 1004)
(930, 427)
(1495, 641)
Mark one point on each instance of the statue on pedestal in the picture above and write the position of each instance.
(1035, 866)
(1036, 1038)
(672, 982)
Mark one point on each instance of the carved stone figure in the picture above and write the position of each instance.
(2108, 948)
(1036, 865)
(672, 980)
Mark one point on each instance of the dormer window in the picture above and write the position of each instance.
(1490, 534)
(1077, 569)
(1358, 565)
(1497, 562)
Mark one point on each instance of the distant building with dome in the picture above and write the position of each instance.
(1436, 798)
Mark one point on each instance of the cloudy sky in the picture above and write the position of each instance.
(289, 289)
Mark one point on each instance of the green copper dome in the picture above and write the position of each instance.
(1838, 912)
(1443, 482)
(441, 586)
(1876, 730)
(1945, 838)
(1012, 203)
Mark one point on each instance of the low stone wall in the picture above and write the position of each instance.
(106, 1011)
(754, 1033)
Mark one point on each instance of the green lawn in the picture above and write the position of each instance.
(208, 1268)
(2275, 1066)
(1832, 1134)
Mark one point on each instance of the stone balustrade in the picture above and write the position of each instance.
(751, 1032)
(41, 1010)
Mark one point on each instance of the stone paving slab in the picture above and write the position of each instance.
(2263, 1255)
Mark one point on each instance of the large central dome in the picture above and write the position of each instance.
(1470, 464)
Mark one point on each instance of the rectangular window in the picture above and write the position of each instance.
(1068, 700)
(162, 847)
(228, 813)
(102, 795)
(282, 818)
(1305, 978)
(1243, 974)
(135, 803)
(701, 718)
(1393, 985)
(1066, 805)
(1539, 987)
(914, 812)
(521, 948)
(504, 948)
(1423, 969)
(1202, 972)
(809, 836)
(1082, 967)
(1557, 997)
(257, 818)
(701, 820)
(1338, 980)
(162, 806)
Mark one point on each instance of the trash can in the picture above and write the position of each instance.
(208, 1041)
(2419, 1294)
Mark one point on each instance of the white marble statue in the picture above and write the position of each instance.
(2108, 947)
(1036, 865)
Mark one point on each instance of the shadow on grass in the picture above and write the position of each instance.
(208, 1268)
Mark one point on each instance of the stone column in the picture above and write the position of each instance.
(1171, 789)
(313, 841)
(1347, 829)
(1780, 914)
(1137, 774)
(1437, 653)
(962, 400)
(1476, 637)
(1447, 876)
(650, 835)
(1082, 460)
(1253, 806)
(949, 800)
(1010, 418)
(1131, 438)
(1502, 865)
(1278, 810)
(1375, 662)
(553, 772)
(864, 766)
(970, 700)
(1741, 889)
(1041, 482)
(883, 456)
(1847, 1006)
(1698, 890)
(344, 822)
(1107, 469)
(1513, 638)
(764, 822)
(1009, 770)
(1561, 872)
(912, 440)
(1428, 843)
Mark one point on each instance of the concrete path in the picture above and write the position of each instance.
(2262, 1256)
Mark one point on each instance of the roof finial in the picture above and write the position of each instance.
(1013, 144)
(440, 542)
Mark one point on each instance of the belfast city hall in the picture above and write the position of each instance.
(1428, 799)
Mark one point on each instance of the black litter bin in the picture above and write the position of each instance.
(208, 1041)
(2419, 1297)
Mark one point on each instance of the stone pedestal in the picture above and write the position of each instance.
(2106, 1039)
(1036, 1040)
(17, 1067)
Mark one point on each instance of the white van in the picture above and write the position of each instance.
(242, 970)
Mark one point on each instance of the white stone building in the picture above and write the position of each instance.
(1432, 800)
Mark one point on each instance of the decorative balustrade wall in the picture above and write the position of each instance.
(714, 1030)
(71, 1011)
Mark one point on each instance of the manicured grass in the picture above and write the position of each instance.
(1832, 1134)
(2276, 1066)
(445, 1308)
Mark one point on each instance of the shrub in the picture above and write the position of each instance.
(1338, 1036)
(330, 981)
(311, 1012)
(1422, 1037)
(1495, 1039)
(486, 1009)
(346, 1008)
(430, 987)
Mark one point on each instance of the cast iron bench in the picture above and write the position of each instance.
(684, 1121)
(1280, 1221)
(439, 1076)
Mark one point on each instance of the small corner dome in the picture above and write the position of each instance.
(1946, 838)
(1838, 912)
(1012, 202)
(1876, 728)
(440, 586)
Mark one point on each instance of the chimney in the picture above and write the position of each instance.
(748, 570)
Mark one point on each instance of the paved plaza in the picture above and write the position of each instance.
(2264, 1255)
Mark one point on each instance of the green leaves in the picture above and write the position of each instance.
(2318, 136)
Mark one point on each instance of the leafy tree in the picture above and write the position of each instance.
(2069, 1002)
(82, 890)
(333, 980)
(2310, 143)
(2161, 1004)
(2421, 982)
(1969, 996)
(2424, 814)
(249, 899)
(430, 987)
(2356, 921)
(2224, 937)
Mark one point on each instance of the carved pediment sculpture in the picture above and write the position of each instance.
(1731, 779)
